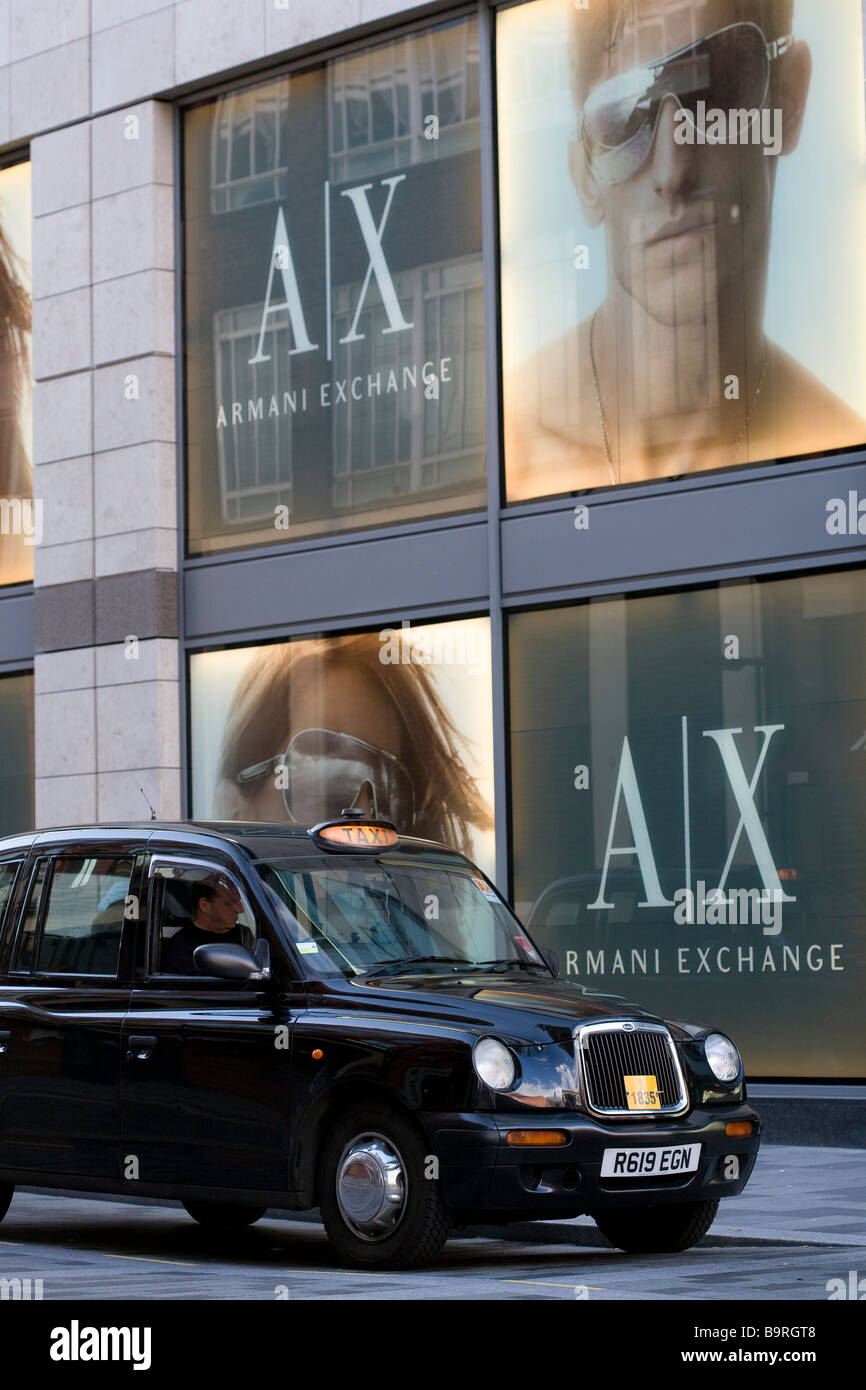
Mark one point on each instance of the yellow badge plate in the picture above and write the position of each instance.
(642, 1093)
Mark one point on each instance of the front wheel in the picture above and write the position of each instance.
(647, 1230)
(379, 1208)
(6, 1191)
(224, 1216)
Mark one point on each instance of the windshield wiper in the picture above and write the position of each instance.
(387, 966)
(506, 964)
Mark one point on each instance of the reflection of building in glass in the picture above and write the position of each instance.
(381, 101)
(16, 752)
(18, 524)
(254, 450)
(655, 30)
(385, 445)
(379, 108)
(249, 147)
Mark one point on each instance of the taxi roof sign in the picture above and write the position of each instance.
(356, 834)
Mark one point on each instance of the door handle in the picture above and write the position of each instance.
(5, 1037)
(139, 1047)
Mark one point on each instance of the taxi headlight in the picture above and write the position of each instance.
(723, 1057)
(494, 1063)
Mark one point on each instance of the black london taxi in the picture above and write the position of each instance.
(252, 1016)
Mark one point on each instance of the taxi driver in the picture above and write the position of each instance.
(216, 907)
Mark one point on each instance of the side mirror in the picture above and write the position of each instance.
(228, 962)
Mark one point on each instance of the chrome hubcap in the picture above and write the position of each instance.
(371, 1186)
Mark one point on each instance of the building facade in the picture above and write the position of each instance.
(461, 410)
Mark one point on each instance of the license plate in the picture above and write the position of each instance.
(642, 1093)
(638, 1163)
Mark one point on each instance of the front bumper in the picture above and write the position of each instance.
(480, 1171)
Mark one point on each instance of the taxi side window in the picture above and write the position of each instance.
(195, 905)
(84, 917)
(23, 959)
(8, 874)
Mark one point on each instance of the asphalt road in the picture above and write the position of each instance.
(95, 1249)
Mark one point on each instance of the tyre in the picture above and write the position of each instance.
(6, 1191)
(224, 1216)
(378, 1208)
(643, 1230)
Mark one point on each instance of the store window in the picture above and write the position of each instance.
(21, 521)
(688, 801)
(16, 754)
(397, 722)
(682, 217)
(333, 296)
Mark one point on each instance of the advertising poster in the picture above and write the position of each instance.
(688, 801)
(16, 753)
(397, 722)
(333, 296)
(20, 517)
(682, 217)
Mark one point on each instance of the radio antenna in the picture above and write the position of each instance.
(144, 794)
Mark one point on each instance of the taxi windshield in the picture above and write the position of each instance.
(385, 916)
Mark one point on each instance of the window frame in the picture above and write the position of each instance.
(18, 971)
(50, 858)
(254, 538)
(8, 919)
(166, 858)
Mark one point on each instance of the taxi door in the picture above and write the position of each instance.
(206, 1061)
(62, 1009)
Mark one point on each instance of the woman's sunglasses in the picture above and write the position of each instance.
(326, 772)
(727, 70)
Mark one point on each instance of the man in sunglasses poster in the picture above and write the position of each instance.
(684, 112)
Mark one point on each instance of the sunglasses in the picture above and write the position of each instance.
(727, 70)
(326, 772)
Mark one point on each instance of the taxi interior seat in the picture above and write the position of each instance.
(175, 911)
(175, 908)
(94, 952)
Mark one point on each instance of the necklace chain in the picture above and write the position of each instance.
(612, 470)
(614, 477)
(741, 436)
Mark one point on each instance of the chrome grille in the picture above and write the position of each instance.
(608, 1052)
